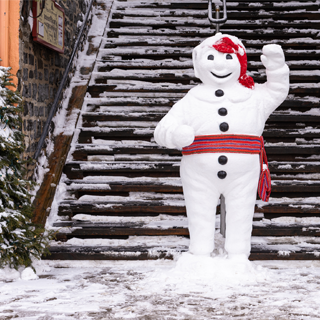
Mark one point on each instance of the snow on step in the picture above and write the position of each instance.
(186, 51)
(141, 41)
(274, 166)
(207, 32)
(156, 13)
(202, 4)
(190, 21)
(102, 66)
(130, 87)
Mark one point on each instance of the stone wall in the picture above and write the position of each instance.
(41, 69)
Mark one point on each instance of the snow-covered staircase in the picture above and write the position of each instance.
(123, 196)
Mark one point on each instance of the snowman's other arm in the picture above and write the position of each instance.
(276, 89)
(171, 131)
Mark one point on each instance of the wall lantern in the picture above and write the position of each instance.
(48, 24)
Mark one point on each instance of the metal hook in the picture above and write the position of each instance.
(217, 20)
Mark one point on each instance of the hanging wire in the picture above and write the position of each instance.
(42, 5)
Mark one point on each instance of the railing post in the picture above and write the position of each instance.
(217, 20)
(223, 213)
(217, 17)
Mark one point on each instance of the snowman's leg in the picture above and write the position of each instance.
(201, 197)
(240, 204)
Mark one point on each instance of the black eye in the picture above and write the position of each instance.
(229, 56)
(210, 57)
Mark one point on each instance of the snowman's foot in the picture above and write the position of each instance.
(241, 262)
(200, 254)
(200, 251)
(238, 257)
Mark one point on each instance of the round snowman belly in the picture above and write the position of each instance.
(223, 168)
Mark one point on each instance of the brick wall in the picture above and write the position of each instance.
(41, 69)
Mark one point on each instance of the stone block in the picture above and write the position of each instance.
(41, 113)
(38, 130)
(51, 93)
(47, 109)
(36, 111)
(40, 63)
(36, 71)
(25, 74)
(57, 61)
(46, 89)
(31, 59)
(25, 109)
(56, 77)
(34, 91)
(65, 63)
(51, 78)
(29, 125)
(25, 91)
(41, 93)
(31, 109)
(46, 74)
(25, 58)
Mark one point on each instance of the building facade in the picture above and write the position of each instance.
(37, 68)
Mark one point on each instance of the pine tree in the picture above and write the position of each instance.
(20, 240)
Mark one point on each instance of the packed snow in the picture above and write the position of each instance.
(208, 288)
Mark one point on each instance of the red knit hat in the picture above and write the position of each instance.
(226, 45)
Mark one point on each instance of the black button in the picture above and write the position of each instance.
(222, 174)
(222, 159)
(224, 127)
(223, 111)
(219, 93)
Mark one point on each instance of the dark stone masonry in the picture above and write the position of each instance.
(41, 69)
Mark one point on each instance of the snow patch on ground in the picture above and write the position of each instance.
(7, 274)
(218, 271)
(160, 289)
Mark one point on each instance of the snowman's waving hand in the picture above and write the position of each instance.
(276, 89)
(273, 57)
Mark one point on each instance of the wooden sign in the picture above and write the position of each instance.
(48, 24)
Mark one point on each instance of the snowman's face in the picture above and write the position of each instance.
(216, 68)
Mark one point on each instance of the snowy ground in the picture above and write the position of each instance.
(187, 289)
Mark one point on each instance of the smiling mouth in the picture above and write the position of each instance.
(221, 77)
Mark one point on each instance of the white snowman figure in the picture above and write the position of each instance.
(213, 124)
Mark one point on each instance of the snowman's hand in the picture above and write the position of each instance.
(273, 57)
(183, 136)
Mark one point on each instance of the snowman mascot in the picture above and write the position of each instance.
(218, 125)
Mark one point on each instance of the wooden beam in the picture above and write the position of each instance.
(44, 198)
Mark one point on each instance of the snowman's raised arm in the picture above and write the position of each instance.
(276, 89)
(171, 131)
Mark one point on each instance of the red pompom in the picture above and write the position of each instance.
(246, 81)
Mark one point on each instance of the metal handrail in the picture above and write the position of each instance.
(61, 86)
(217, 20)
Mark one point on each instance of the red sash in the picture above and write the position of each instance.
(234, 143)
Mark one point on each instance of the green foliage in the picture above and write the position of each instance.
(20, 240)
